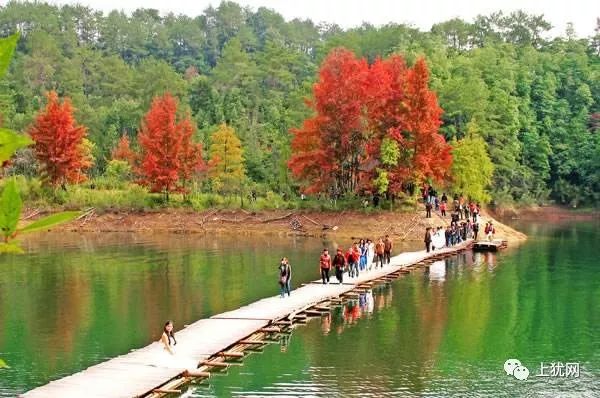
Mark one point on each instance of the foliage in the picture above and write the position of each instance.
(169, 157)
(50, 221)
(226, 165)
(328, 147)
(123, 151)
(7, 47)
(472, 168)
(59, 143)
(10, 142)
(10, 210)
(383, 114)
(535, 98)
(130, 197)
(118, 170)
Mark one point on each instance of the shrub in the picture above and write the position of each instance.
(133, 197)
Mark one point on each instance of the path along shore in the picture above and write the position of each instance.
(342, 225)
(210, 343)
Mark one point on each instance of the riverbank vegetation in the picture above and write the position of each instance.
(240, 108)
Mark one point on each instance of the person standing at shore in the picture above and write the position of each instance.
(475, 229)
(388, 246)
(428, 210)
(325, 265)
(443, 208)
(490, 230)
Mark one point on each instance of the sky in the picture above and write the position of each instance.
(349, 13)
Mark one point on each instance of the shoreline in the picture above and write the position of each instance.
(347, 224)
(206, 348)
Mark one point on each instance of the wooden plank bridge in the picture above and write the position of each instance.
(222, 340)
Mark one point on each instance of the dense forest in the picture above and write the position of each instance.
(534, 100)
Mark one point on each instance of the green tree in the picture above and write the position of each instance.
(226, 163)
(472, 168)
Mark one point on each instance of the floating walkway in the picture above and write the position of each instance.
(489, 245)
(222, 340)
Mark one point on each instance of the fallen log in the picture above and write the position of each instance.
(278, 218)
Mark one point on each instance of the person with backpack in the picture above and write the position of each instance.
(285, 277)
(388, 246)
(339, 263)
(325, 265)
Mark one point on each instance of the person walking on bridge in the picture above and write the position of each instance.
(387, 252)
(339, 263)
(370, 254)
(325, 265)
(353, 257)
(379, 252)
(428, 239)
(285, 277)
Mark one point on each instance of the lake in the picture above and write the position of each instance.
(76, 300)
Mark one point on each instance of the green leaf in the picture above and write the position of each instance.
(7, 48)
(3, 364)
(50, 221)
(10, 209)
(12, 247)
(10, 142)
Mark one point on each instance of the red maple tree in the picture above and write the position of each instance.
(168, 153)
(431, 155)
(123, 151)
(357, 107)
(190, 156)
(328, 148)
(59, 143)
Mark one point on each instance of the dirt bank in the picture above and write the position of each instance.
(343, 224)
(547, 213)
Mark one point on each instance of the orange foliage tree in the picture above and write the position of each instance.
(123, 151)
(59, 143)
(168, 156)
(374, 126)
(190, 155)
(328, 148)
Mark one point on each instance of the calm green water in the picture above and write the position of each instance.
(74, 300)
(78, 299)
(449, 332)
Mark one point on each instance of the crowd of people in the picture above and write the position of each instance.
(361, 256)
(464, 220)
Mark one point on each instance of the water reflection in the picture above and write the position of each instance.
(446, 332)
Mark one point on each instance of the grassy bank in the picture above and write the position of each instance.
(106, 195)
